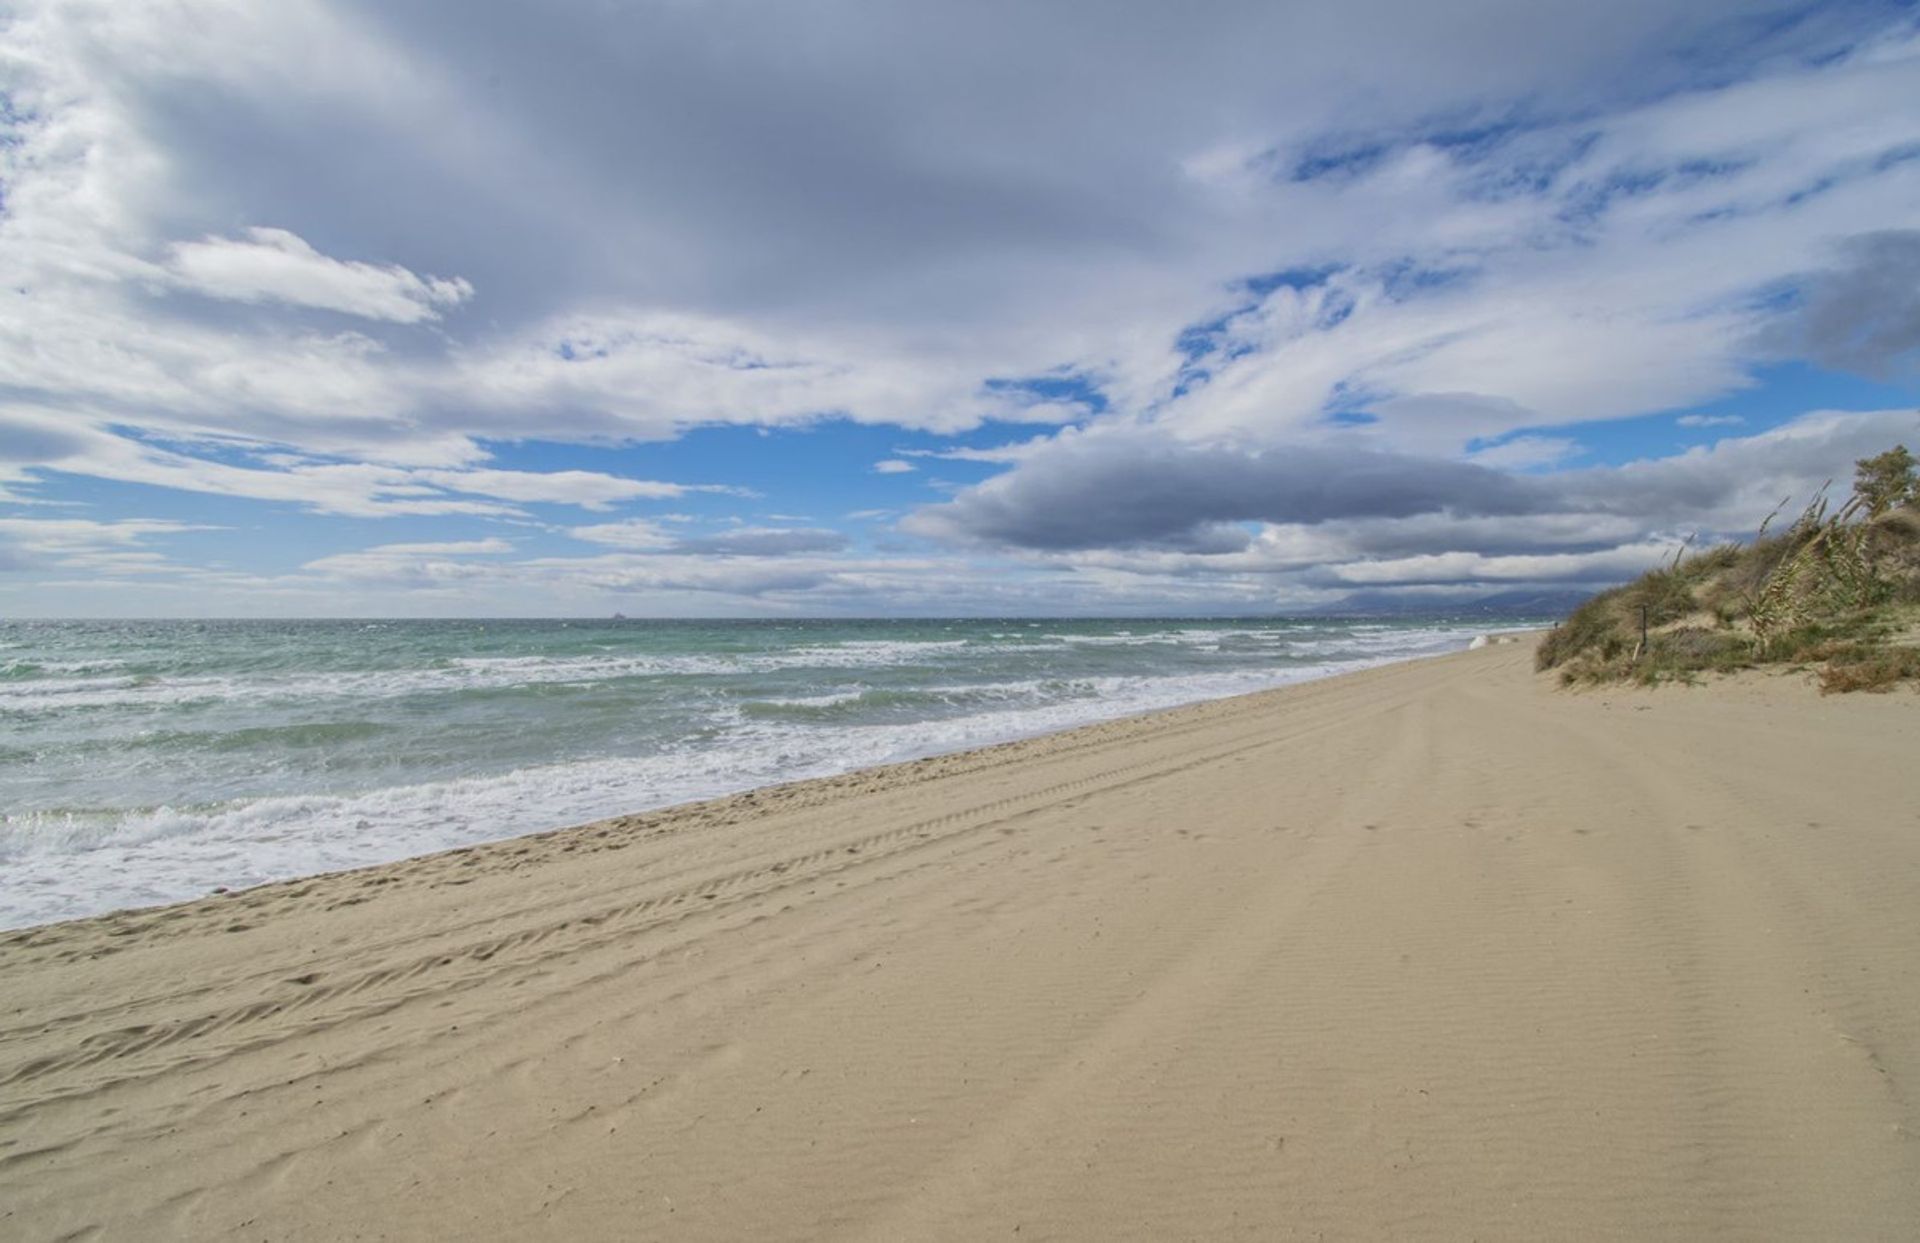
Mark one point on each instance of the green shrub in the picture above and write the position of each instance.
(1885, 481)
(1589, 626)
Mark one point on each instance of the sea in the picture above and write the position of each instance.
(152, 761)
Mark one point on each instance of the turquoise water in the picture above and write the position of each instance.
(145, 762)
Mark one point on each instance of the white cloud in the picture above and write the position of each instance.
(1522, 452)
(893, 466)
(635, 533)
(655, 374)
(45, 441)
(273, 265)
(587, 489)
(1471, 567)
(749, 541)
(446, 548)
(639, 534)
(82, 544)
(58, 533)
(1611, 287)
(1709, 420)
(431, 564)
(992, 453)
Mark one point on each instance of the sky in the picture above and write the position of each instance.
(465, 307)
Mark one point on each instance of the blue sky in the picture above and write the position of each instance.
(323, 308)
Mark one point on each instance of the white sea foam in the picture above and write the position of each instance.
(42, 695)
(45, 695)
(832, 699)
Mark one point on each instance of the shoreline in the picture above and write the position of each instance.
(1431, 948)
(910, 756)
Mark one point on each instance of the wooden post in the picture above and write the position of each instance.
(1643, 633)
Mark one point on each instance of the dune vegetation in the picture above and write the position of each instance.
(1837, 593)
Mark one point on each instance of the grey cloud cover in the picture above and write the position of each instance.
(1863, 314)
(1119, 490)
(347, 257)
(765, 542)
(1147, 490)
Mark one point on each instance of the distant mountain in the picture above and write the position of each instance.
(1536, 603)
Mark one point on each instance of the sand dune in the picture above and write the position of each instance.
(1432, 951)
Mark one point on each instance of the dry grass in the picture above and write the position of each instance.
(1875, 669)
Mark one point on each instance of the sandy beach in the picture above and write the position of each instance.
(1430, 951)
